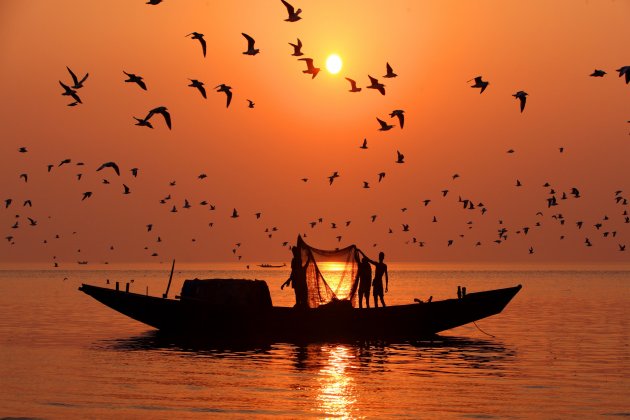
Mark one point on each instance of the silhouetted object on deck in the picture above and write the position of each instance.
(297, 279)
(463, 292)
(459, 292)
(365, 281)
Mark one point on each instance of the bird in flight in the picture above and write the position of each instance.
(521, 96)
(401, 117)
(400, 157)
(234, 214)
(293, 14)
(250, 45)
(310, 68)
(63, 162)
(227, 89)
(381, 175)
(625, 70)
(194, 83)
(112, 165)
(250, 103)
(24, 176)
(22, 150)
(199, 36)
(480, 84)
(163, 111)
(384, 125)
(86, 194)
(154, 2)
(364, 145)
(297, 48)
(143, 122)
(374, 84)
(390, 73)
(366, 184)
(353, 85)
(126, 189)
(331, 178)
(598, 73)
(68, 91)
(134, 172)
(78, 84)
(133, 78)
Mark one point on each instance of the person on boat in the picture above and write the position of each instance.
(365, 281)
(297, 279)
(380, 269)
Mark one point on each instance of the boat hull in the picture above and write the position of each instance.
(195, 317)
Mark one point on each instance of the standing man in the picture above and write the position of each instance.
(380, 269)
(365, 281)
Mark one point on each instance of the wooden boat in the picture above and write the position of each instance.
(242, 309)
(272, 265)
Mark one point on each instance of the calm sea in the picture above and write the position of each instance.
(559, 350)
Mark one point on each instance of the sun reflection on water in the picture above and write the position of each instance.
(337, 393)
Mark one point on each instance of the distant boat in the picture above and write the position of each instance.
(272, 265)
(242, 309)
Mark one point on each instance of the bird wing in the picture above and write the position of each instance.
(389, 69)
(352, 83)
(381, 89)
(522, 98)
(202, 90)
(373, 81)
(228, 93)
(250, 40)
(381, 122)
(167, 118)
(309, 62)
(141, 84)
(290, 9)
(74, 76)
(203, 45)
(66, 87)
(84, 78)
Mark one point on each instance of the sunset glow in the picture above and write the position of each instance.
(334, 64)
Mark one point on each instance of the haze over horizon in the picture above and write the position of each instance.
(573, 132)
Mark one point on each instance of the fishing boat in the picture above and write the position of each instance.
(243, 309)
(265, 265)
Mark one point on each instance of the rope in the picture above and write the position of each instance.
(483, 330)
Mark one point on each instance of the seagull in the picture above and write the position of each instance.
(401, 157)
(25, 177)
(331, 178)
(384, 125)
(353, 85)
(374, 84)
(143, 122)
(401, 117)
(381, 175)
(163, 111)
(70, 92)
(149, 227)
(86, 194)
(250, 104)
(250, 45)
(373, 217)
(225, 88)
(293, 14)
(197, 35)
(194, 83)
(110, 165)
(297, 48)
(22, 150)
(78, 84)
(521, 96)
(598, 73)
(234, 214)
(364, 145)
(7, 203)
(311, 69)
(126, 191)
(63, 162)
(624, 70)
(132, 78)
(479, 84)
(27, 203)
(366, 184)
(390, 72)
(134, 172)
(154, 2)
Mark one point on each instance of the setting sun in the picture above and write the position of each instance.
(333, 63)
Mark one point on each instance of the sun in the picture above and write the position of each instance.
(333, 63)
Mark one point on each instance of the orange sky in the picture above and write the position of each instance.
(303, 127)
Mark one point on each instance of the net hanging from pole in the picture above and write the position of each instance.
(331, 275)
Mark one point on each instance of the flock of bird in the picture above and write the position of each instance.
(554, 197)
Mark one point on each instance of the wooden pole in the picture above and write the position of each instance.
(165, 295)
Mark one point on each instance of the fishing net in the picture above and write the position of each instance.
(331, 276)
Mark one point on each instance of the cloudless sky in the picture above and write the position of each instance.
(309, 128)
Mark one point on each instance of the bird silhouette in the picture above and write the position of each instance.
(133, 78)
(297, 48)
(154, 3)
(480, 84)
(194, 83)
(366, 184)
(234, 214)
(400, 157)
(390, 73)
(228, 93)
(24, 176)
(364, 145)
(162, 111)
(353, 85)
(625, 70)
(68, 91)
(64, 162)
(250, 45)
(78, 84)
(22, 150)
(521, 96)
(27, 203)
(332, 177)
(374, 84)
(126, 189)
(401, 116)
(86, 194)
(112, 165)
(293, 14)
(250, 103)
(310, 68)
(199, 36)
(384, 125)
(134, 172)
(598, 73)
(381, 175)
